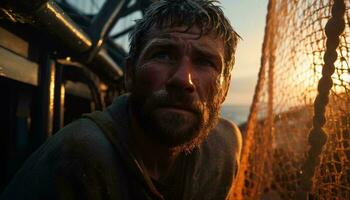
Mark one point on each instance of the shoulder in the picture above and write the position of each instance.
(226, 137)
(80, 143)
(217, 160)
(222, 148)
(229, 132)
(81, 139)
(76, 158)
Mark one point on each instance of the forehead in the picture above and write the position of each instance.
(180, 35)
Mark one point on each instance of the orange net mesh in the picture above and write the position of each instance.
(281, 116)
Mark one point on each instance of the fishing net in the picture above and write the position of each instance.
(281, 117)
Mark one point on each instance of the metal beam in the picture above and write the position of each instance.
(18, 68)
(53, 18)
(103, 22)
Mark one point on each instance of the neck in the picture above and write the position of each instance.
(157, 158)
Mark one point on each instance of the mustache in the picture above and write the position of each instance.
(177, 100)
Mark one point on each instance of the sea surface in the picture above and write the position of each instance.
(237, 113)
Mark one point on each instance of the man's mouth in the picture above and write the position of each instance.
(177, 108)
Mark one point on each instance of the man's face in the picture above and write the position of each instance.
(177, 86)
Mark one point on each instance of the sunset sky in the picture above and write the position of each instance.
(248, 19)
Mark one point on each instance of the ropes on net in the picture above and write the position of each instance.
(303, 85)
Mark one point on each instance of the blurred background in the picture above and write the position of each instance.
(248, 19)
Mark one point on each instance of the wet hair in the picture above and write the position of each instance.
(204, 14)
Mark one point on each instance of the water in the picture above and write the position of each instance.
(235, 113)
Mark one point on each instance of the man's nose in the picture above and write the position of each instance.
(182, 78)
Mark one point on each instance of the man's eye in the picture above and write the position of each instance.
(204, 62)
(162, 55)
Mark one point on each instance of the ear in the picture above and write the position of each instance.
(128, 74)
(225, 88)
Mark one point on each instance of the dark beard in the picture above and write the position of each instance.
(165, 128)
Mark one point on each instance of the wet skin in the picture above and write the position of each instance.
(177, 84)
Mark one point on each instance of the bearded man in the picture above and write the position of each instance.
(162, 140)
